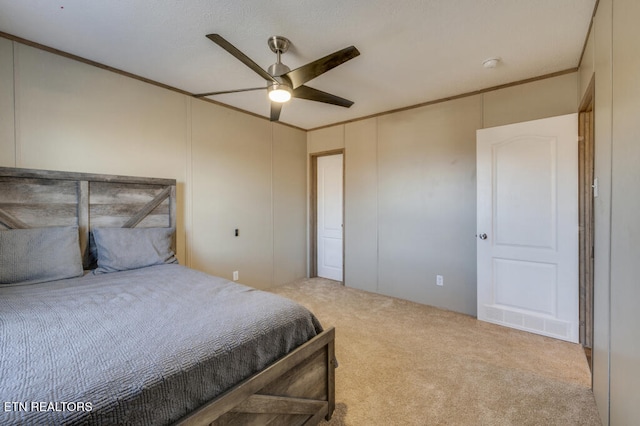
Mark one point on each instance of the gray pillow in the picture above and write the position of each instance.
(29, 256)
(121, 249)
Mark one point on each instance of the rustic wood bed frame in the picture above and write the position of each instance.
(298, 389)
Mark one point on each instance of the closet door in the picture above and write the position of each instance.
(329, 216)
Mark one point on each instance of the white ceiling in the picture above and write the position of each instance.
(412, 51)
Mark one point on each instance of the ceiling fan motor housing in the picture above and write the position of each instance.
(278, 69)
(279, 45)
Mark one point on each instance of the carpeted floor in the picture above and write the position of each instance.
(403, 363)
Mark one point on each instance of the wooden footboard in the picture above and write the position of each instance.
(296, 390)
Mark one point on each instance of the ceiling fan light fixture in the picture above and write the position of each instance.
(279, 93)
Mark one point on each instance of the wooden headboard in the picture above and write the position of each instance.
(37, 198)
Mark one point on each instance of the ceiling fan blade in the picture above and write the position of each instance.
(301, 75)
(276, 107)
(200, 95)
(217, 39)
(311, 94)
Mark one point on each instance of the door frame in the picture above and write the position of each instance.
(313, 209)
(586, 167)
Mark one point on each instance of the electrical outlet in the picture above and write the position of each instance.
(235, 275)
(439, 280)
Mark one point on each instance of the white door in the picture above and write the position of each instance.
(329, 220)
(527, 247)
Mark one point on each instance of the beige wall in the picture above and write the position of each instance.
(427, 203)
(289, 204)
(327, 139)
(611, 56)
(587, 66)
(361, 221)
(7, 147)
(231, 168)
(232, 184)
(410, 189)
(524, 102)
(625, 205)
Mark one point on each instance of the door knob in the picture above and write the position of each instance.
(483, 236)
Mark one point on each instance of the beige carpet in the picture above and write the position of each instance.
(402, 363)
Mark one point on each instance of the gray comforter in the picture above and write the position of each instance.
(138, 347)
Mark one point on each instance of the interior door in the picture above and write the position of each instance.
(329, 217)
(527, 206)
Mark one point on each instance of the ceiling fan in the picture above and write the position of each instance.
(282, 83)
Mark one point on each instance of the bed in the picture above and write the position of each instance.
(128, 336)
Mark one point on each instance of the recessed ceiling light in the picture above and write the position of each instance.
(491, 62)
